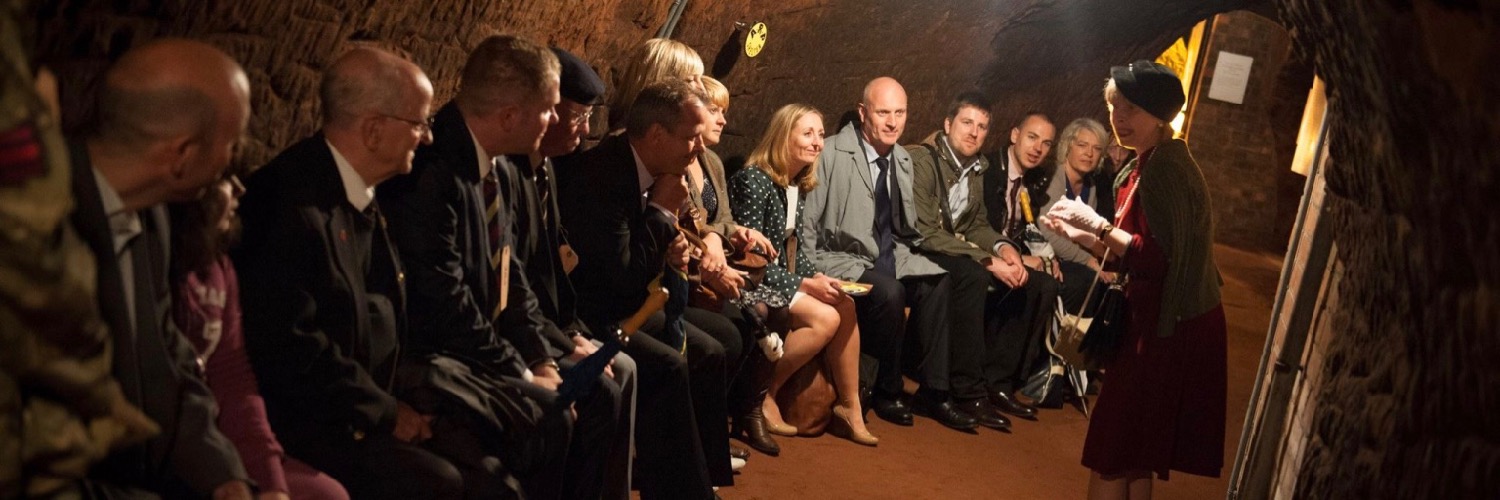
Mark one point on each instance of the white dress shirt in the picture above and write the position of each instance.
(123, 226)
(359, 193)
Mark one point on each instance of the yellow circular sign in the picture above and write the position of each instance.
(756, 40)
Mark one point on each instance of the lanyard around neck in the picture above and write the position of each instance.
(1068, 185)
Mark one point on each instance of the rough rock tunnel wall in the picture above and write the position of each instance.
(1409, 406)
(1049, 55)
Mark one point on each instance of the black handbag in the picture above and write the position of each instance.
(1098, 339)
(1107, 332)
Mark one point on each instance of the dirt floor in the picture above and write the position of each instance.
(1037, 460)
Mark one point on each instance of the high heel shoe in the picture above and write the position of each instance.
(779, 429)
(842, 427)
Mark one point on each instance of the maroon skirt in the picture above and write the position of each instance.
(1162, 405)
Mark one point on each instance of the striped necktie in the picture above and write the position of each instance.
(499, 249)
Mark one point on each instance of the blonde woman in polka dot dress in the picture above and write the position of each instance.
(766, 196)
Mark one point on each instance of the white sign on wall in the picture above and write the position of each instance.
(1231, 76)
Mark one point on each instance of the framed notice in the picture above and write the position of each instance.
(1231, 76)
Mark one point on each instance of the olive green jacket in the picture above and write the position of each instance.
(934, 171)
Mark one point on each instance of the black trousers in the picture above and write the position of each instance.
(968, 283)
(1014, 324)
(591, 439)
(669, 448)
(570, 449)
(381, 467)
(615, 475)
(707, 360)
(936, 320)
(731, 329)
(1075, 286)
(737, 351)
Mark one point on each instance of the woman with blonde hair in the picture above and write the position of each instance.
(1163, 407)
(767, 195)
(710, 196)
(708, 192)
(1079, 152)
(655, 60)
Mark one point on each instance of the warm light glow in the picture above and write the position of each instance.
(1175, 57)
(1182, 57)
(1309, 135)
(1181, 118)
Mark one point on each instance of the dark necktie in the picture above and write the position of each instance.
(544, 193)
(364, 239)
(885, 221)
(1014, 215)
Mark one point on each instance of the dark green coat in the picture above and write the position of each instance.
(969, 234)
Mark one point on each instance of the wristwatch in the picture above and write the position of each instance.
(1105, 230)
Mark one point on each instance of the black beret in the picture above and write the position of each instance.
(579, 82)
(1153, 87)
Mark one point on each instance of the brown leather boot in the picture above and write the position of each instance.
(750, 426)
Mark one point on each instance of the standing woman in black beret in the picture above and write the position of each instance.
(1162, 408)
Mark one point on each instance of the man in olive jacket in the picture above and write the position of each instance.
(948, 188)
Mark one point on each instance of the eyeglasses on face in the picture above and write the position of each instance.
(580, 117)
(424, 126)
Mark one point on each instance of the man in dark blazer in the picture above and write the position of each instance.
(169, 113)
(1016, 321)
(323, 289)
(859, 226)
(441, 225)
(619, 204)
(529, 184)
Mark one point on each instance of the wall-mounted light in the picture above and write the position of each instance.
(1310, 134)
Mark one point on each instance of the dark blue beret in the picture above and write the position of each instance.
(579, 83)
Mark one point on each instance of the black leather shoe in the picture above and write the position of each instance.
(985, 414)
(1004, 402)
(892, 410)
(948, 414)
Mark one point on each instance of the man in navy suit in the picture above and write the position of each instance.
(619, 204)
(451, 220)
